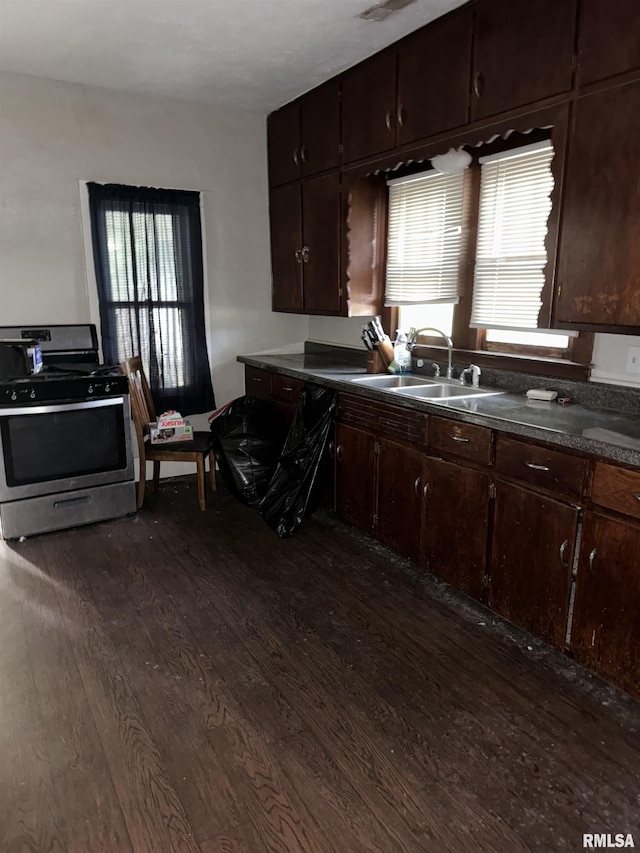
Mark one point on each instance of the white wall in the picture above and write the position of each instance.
(609, 352)
(53, 136)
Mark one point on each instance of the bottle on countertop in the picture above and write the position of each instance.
(401, 353)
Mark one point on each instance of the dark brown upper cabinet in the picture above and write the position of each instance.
(523, 53)
(304, 137)
(599, 252)
(609, 39)
(286, 248)
(434, 65)
(369, 107)
(305, 246)
(321, 251)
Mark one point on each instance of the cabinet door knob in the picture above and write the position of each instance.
(303, 153)
(563, 554)
(416, 487)
(305, 254)
(298, 254)
(296, 156)
(592, 559)
(387, 119)
(478, 84)
(339, 453)
(401, 114)
(425, 491)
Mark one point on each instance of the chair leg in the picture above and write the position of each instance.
(142, 482)
(201, 495)
(156, 476)
(212, 471)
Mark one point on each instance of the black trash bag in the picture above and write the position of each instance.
(296, 488)
(248, 441)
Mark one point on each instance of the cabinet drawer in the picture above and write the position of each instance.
(540, 466)
(257, 382)
(286, 389)
(383, 420)
(459, 439)
(616, 488)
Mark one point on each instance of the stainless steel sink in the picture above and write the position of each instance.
(442, 391)
(389, 381)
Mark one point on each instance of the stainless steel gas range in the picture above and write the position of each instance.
(65, 437)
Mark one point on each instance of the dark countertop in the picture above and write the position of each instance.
(602, 432)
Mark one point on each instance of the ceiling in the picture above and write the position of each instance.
(241, 54)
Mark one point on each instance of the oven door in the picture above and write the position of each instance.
(64, 446)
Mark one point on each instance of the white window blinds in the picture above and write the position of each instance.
(424, 233)
(510, 257)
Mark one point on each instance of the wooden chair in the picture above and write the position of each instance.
(143, 412)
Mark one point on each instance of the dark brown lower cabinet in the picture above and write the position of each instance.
(454, 532)
(532, 549)
(400, 483)
(355, 476)
(605, 634)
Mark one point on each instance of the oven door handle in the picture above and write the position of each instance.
(61, 407)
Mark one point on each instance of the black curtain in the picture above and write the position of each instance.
(147, 246)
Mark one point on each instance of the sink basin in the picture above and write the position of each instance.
(441, 391)
(389, 381)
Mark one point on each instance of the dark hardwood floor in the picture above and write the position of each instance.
(187, 681)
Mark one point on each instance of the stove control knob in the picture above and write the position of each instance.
(90, 389)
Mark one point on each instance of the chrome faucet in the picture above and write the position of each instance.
(475, 372)
(413, 340)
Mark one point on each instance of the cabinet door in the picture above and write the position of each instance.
(609, 40)
(605, 633)
(599, 265)
(283, 136)
(369, 107)
(433, 77)
(400, 483)
(320, 111)
(321, 260)
(454, 537)
(531, 560)
(355, 476)
(286, 247)
(523, 53)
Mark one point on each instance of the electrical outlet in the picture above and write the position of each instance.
(633, 360)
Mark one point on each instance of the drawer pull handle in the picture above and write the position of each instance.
(81, 499)
(255, 379)
(537, 467)
(287, 388)
(416, 487)
(459, 438)
(592, 558)
(563, 554)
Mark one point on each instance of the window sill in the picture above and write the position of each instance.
(554, 368)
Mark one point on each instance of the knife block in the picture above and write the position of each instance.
(375, 362)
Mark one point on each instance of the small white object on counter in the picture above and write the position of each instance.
(541, 394)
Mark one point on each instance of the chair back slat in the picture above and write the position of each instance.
(142, 407)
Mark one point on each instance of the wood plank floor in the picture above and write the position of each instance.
(186, 681)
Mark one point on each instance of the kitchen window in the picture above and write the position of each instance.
(502, 222)
(148, 260)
